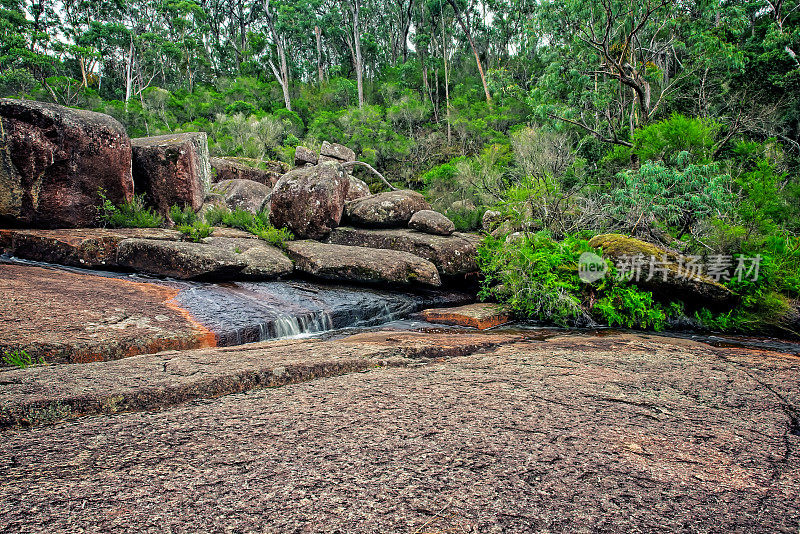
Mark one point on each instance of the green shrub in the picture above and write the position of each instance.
(538, 277)
(134, 214)
(257, 224)
(195, 232)
(21, 359)
(465, 219)
(183, 217)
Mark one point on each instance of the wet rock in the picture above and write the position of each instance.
(480, 316)
(172, 170)
(79, 247)
(431, 222)
(263, 261)
(304, 156)
(182, 260)
(386, 210)
(54, 160)
(336, 152)
(245, 195)
(696, 291)
(491, 219)
(453, 255)
(357, 264)
(309, 200)
(358, 189)
(244, 169)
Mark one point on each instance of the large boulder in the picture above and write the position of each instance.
(172, 170)
(242, 194)
(431, 222)
(363, 265)
(244, 169)
(454, 255)
(358, 189)
(309, 200)
(304, 156)
(670, 282)
(335, 152)
(386, 210)
(263, 261)
(178, 259)
(55, 160)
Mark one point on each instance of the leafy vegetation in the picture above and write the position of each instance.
(21, 359)
(674, 122)
(133, 214)
(257, 224)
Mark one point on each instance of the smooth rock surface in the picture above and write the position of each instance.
(479, 315)
(431, 222)
(336, 152)
(179, 259)
(309, 200)
(263, 261)
(245, 195)
(453, 255)
(54, 160)
(697, 291)
(244, 169)
(68, 317)
(386, 210)
(172, 170)
(363, 265)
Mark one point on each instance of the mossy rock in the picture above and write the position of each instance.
(698, 291)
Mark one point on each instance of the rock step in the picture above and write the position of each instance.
(359, 264)
(454, 255)
(69, 317)
(480, 316)
(229, 253)
(46, 394)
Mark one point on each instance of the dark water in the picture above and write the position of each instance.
(245, 312)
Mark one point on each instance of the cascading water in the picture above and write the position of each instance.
(244, 312)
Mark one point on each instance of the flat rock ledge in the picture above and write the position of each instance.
(453, 255)
(363, 265)
(41, 395)
(480, 315)
(228, 253)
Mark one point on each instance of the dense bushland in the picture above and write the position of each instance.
(674, 122)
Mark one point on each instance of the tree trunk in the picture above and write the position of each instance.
(474, 50)
(359, 62)
(318, 33)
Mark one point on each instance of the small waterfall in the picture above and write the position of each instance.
(245, 312)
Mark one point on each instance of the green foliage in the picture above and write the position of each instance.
(625, 305)
(134, 214)
(465, 219)
(665, 140)
(183, 217)
(676, 196)
(21, 359)
(538, 277)
(257, 224)
(535, 275)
